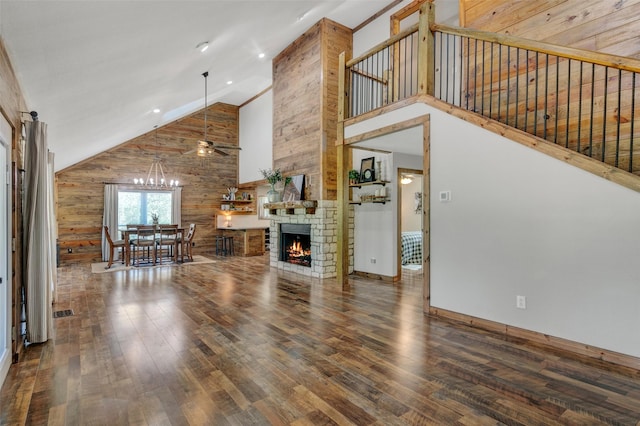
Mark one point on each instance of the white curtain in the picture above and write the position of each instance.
(110, 219)
(176, 205)
(39, 249)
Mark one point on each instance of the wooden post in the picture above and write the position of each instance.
(343, 159)
(426, 211)
(426, 55)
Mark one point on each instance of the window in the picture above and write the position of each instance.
(138, 206)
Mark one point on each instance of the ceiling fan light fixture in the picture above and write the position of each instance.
(202, 148)
(205, 147)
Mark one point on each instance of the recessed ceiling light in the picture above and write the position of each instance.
(156, 110)
(261, 55)
(229, 82)
(203, 46)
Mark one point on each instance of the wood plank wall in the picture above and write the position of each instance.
(11, 103)
(607, 26)
(81, 186)
(305, 87)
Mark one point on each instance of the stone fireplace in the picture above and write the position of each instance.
(321, 222)
(305, 130)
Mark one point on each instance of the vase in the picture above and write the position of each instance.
(272, 195)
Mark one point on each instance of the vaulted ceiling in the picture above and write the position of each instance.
(96, 70)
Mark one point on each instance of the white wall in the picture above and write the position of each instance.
(256, 137)
(244, 221)
(447, 12)
(373, 237)
(522, 223)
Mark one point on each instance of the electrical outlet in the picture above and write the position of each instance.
(193, 243)
(69, 250)
(373, 260)
(521, 302)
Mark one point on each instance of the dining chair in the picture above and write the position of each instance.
(186, 243)
(112, 247)
(167, 237)
(144, 239)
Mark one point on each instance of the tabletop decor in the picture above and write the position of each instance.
(232, 192)
(273, 177)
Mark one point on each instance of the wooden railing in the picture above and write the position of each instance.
(383, 75)
(582, 100)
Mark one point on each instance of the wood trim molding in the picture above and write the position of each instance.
(604, 59)
(385, 130)
(404, 13)
(382, 110)
(373, 276)
(384, 44)
(376, 15)
(248, 101)
(596, 167)
(539, 338)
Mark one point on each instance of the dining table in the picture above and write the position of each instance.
(130, 230)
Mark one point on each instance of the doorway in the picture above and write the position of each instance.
(410, 220)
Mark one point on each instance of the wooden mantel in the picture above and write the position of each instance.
(290, 206)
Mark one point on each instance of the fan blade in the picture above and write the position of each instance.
(215, 145)
(191, 151)
(220, 152)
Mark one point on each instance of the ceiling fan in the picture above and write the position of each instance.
(205, 147)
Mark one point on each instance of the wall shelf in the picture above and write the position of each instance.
(373, 199)
(370, 202)
(361, 184)
(234, 212)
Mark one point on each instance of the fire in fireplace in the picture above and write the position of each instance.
(295, 243)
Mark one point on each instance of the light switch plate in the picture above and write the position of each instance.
(445, 196)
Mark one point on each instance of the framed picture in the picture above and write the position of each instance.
(293, 190)
(367, 172)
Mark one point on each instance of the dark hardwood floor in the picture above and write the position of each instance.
(235, 342)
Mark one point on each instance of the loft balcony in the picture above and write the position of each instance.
(580, 100)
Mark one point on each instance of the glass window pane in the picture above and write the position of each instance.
(129, 208)
(137, 207)
(159, 203)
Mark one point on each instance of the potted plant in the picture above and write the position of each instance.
(354, 176)
(273, 177)
(154, 218)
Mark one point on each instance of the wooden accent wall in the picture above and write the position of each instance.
(596, 25)
(204, 181)
(11, 103)
(608, 26)
(305, 105)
